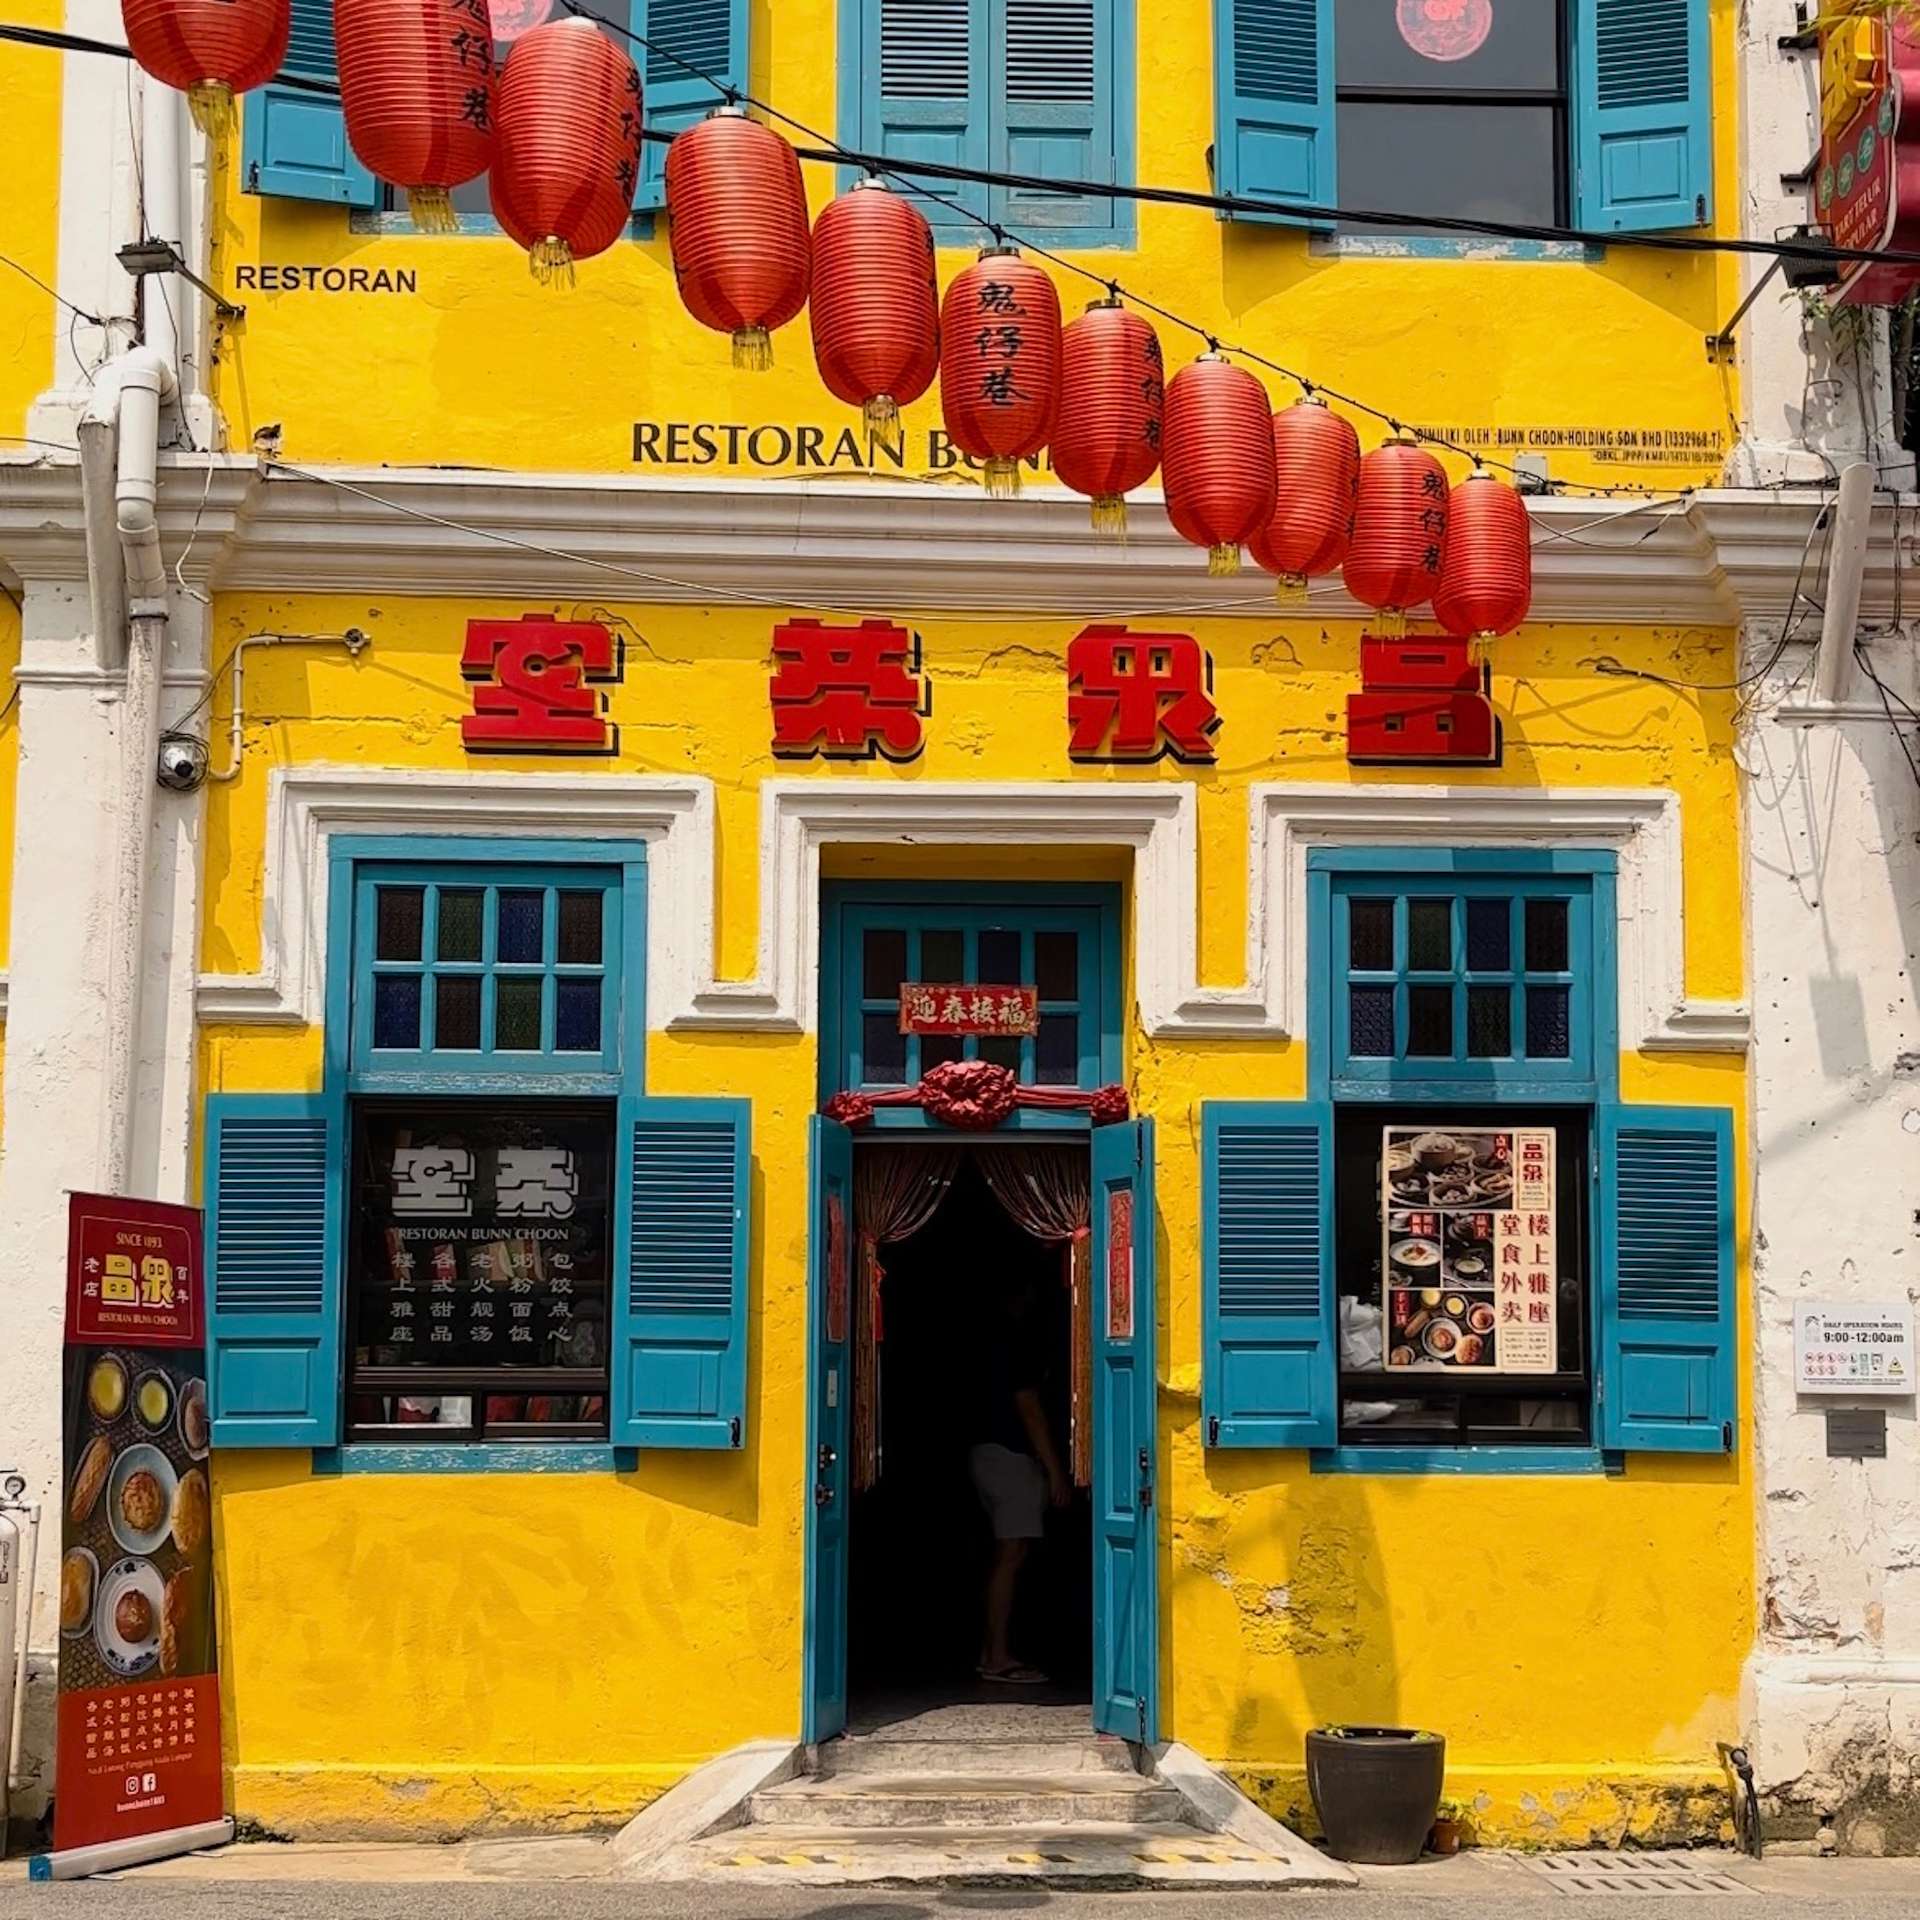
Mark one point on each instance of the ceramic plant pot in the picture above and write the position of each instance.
(1376, 1790)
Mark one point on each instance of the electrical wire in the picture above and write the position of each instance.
(1887, 697)
(53, 293)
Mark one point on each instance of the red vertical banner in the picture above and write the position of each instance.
(138, 1720)
(1120, 1264)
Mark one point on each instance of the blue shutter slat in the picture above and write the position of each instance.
(1054, 112)
(1274, 102)
(675, 36)
(923, 83)
(680, 1312)
(1667, 1324)
(1643, 136)
(294, 143)
(1271, 1356)
(275, 1169)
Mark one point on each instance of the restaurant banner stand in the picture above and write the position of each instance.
(137, 1742)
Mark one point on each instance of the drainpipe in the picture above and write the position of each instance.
(126, 403)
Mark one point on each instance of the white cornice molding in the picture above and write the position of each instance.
(1156, 819)
(1710, 560)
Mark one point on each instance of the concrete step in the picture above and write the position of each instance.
(860, 1754)
(950, 1800)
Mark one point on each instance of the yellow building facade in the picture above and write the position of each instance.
(433, 1635)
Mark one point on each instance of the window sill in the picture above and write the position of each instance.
(1559, 1462)
(1431, 246)
(474, 1456)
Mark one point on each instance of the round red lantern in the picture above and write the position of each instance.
(1217, 467)
(1316, 461)
(1399, 531)
(737, 218)
(875, 305)
(1106, 441)
(1000, 363)
(566, 149)
(1486, 573)
(416, 80)
(209, 49)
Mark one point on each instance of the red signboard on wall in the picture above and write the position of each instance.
(537, 686)
(1867, 184)
(957, 1009)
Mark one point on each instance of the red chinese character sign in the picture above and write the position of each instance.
(847, 693)
(138, 1715)
(537, 686)
(1139, 696)
(956, 1009)
(1867, 185)
(1423, 702)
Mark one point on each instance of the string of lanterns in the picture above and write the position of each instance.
(558, 133)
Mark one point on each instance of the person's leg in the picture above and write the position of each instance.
(1003, 1582)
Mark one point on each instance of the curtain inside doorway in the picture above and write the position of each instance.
(1048, 1192)
(895, 1193)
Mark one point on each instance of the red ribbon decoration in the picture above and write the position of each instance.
(977, 1095)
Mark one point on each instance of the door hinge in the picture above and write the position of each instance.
(733, 1430)
(1140, 1706)
(1146, 1478)
(1213, 1430)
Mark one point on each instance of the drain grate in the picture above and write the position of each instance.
(1627, 1873)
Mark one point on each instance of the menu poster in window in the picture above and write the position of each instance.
(137, 1744)
(1468, 1253)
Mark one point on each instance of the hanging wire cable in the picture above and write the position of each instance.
(1887, 698)
(54, 293)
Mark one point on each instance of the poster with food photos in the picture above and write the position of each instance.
(1468, 1248)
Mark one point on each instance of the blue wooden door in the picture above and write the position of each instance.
(1126, 1627)
(830, 1265)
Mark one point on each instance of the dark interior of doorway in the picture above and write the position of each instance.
(920, 1541)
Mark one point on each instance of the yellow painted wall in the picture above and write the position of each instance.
(482, 367)
(424, 1654)
(29, 229)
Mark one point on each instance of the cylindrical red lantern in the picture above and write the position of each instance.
(1000, 364)
(416, 80)
(1486, 573)
(1399, 531)
(737, 217)
(1217, 466)
(1316, 460)
(209, 49)
(875, 305)
(1106, 441)
(566, 151)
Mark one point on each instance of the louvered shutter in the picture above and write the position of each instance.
(1273, 91)
(293, 141)
(1270, 1367)
(680, 40)
(274, 1192)
(680, 1285)
(1643, 138)
(1054, 111)
(924, 88)
(1667, 1324)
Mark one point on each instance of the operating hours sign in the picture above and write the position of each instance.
(1847, 1348)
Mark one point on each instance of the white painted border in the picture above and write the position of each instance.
(1157, 820)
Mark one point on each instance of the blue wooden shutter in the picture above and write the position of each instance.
(1273, 93)
(710, 35)
(275, 1198)
(680, 1278)
(1667, 1324)
(294, 142)
(1643, 132)
(1053, 112)
(1270, 1375)
(924, 88)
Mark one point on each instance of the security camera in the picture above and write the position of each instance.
(183, 763)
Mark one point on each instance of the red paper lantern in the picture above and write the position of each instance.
(1316, 459)
(1106, 441)
(566, 154)
(209, 49)
(416, 80)
(1399, 531)
(738, 224)
(1486, 573)
(1217, 468)
(875, 306)
(1000, 364)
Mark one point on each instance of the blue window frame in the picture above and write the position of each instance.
(1037, 87)
(1062, 940)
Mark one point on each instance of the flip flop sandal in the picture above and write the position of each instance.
(1018, 1675)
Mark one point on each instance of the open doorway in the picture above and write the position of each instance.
(980, 1267)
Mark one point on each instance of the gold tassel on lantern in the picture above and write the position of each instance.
(1291, 590)
(1223, 560)
(211, 104)
(1389, 623)
(551, 262)
(882, 413)
(1109, 513)
(752, 349)
(432, 210)
(1002, 478)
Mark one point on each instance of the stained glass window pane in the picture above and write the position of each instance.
(581, 917)
(521, 912)
(883, 1050)
(1056, 965)
(1489, 1022)
(576, 1016)
(456, 1012)
(943, 955)
(1370, 1015)
(401, 916)
(516, 1015)
(1000, 957)
(1489, 936)
(458, 937)
(1429, 936)
(1057, 1051)
(935, 1048)
(883, 962)
(1546, 936)
(396, 1010)
(1548, 1035)
(1002, 1052)
(1429, 1023)
(1370, 936)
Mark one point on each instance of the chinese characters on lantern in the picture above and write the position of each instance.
(927, 1008)
(537, 678)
